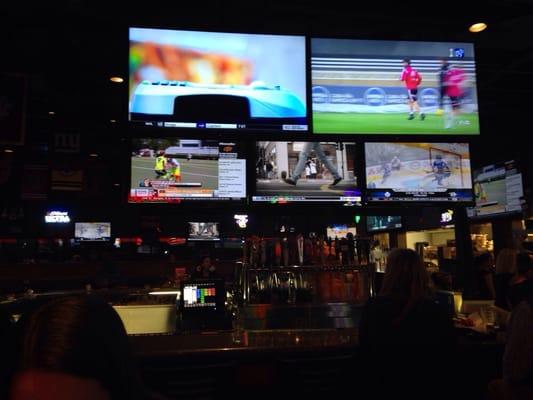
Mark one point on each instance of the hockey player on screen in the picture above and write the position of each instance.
(387, 170)
(440, 169)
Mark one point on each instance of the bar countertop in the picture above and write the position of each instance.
(278, 340)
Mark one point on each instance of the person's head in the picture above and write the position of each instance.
(205, 262)
(438, 157)
(405, 275)
(444, 62)
(506, 261)
(523, 264)
(81, 336)
(406, 62)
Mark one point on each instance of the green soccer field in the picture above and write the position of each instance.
(393, 123)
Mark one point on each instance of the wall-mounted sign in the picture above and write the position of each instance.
(57, 217)
(241, 220)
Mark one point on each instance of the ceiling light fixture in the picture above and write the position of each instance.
(51, 113)
(116, 79)
(8, 151)
(477, 27)
(93, 155)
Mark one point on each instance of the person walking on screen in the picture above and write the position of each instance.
(412, 80)
(454, 80)
(302, 160)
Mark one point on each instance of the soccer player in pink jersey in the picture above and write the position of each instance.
(412, 80)
(454, 81)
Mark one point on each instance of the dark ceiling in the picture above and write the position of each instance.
(69, 49)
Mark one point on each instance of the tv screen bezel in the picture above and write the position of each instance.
(392, 135)
(370, 231)
(143, 133)
(357, 163)
(79, 240)
(423, 201)
(502, 214)
(194, 239)
(139, 124)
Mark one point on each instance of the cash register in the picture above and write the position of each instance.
(201, 306)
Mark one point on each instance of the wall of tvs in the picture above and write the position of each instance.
(280, 98)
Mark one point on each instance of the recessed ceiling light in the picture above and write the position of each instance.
(477, 27)
(8, 151)
(116, 79)
(116, 184)
(51, 113)
(93, 155)
(113, 121)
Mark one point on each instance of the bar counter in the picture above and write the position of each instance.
(278, 341)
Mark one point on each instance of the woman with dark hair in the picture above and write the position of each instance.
(405, 336)
(76, 346)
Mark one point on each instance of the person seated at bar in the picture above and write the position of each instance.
(517, 380)
(484, 270)
(522, 281)
(505, 269)
(407, 339)
(76, 347)
(204, 270)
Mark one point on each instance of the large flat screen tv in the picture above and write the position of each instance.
(306, 172)
(405, 172)
(498, 190)
(193, 79)
(370, 86)
(168, 170)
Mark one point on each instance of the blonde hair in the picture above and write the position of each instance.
(506, 261)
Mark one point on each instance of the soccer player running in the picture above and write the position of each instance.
(412, 80)
(454, 80)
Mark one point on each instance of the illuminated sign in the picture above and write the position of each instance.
(241, 220)
(57, 217)
(446, 217)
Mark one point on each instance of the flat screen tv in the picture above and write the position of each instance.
(340, 231)
(407, 172)
(370, 86)
(498, 190)
(169, 170)
(92, 231)
(306, 172)
(216, 80)
(204, 231)
(377, 223)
